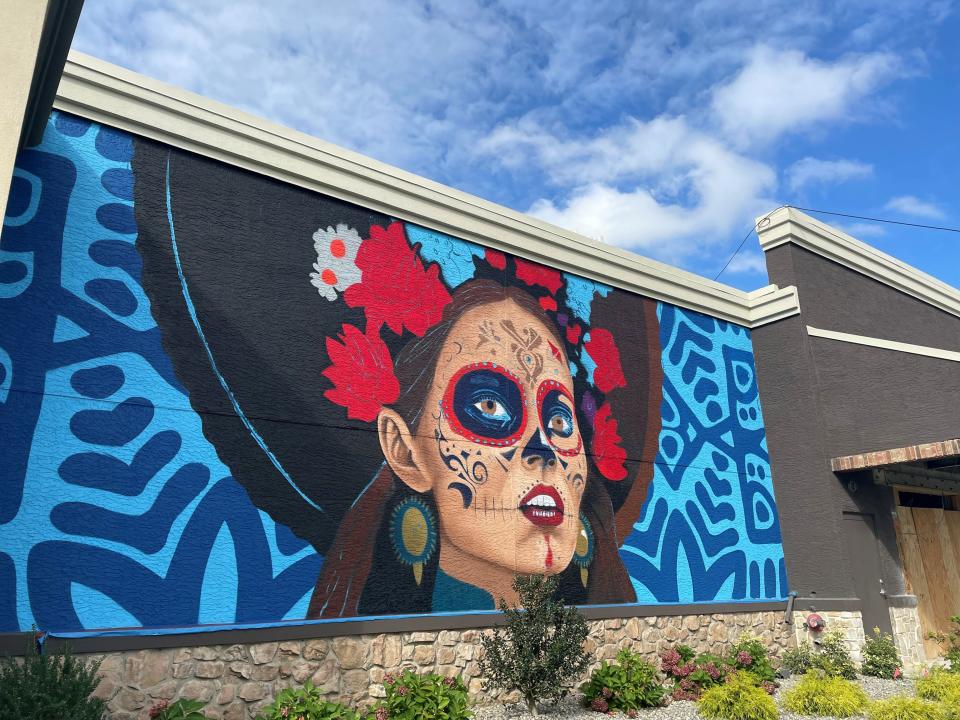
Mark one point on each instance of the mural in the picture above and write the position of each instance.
(228, 400)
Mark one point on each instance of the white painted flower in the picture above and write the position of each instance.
(335, 269)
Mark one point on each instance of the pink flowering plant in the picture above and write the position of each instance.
(423, 697)
(691, 674)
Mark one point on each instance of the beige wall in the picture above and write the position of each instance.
(21, 23)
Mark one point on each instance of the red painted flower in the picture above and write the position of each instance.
(608, 455)
(361, 371)
(536, 274)
(496, 258)
(395, 289)
(548, 303)
(602, 348)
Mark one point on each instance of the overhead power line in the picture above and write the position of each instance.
(941, 228)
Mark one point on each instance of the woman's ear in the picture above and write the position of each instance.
(400, 451)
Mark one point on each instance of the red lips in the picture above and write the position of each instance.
(542, 506)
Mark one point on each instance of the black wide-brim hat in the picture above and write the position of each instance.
(227, 256)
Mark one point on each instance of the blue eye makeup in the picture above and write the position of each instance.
(484, 403)
(557, 416)
(555, 405)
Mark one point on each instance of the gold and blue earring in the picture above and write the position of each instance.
(413, 532)
(583, 552)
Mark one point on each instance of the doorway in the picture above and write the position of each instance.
(860, 534)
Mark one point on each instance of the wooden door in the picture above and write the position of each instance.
(929, 540)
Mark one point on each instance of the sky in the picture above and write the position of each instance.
(665, 128)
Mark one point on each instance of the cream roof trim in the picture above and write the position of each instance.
(114, 96)
(788, 225)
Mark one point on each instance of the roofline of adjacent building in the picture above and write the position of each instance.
(114, 96)
(789, 225)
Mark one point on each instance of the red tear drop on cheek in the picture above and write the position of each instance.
(549, 560)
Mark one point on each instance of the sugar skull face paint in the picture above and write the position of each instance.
(484, 403)
(501, 448)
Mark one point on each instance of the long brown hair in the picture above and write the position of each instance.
(361, 575)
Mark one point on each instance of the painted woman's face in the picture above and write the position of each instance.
(500, 443)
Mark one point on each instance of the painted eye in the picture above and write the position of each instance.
(493, 409)
(560, 424)
(485, 404)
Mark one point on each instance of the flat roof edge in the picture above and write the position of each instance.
(789, 225)
(105, 93)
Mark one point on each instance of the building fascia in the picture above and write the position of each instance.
(789, 225)
(108, 94)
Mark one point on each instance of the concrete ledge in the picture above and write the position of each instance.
(116, 641)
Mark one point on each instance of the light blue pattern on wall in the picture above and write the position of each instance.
(709, 530)
(126, 512)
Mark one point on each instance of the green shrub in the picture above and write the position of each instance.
(818, 694)
(950, 644)
(750, 654)
(798, 660)
(832, 658)
(900, 707)
(45, 686)
(630, 683)
(539, 651)
(738, 699)
(880, 656)
(182, 709)
(939, 685)
(307, 702)
(424, 697)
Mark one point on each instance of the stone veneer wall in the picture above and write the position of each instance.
(908, 635)
(238, 680)
(848, 621)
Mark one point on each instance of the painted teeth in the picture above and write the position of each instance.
(544, 501)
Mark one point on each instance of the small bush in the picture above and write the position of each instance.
(424, 697)
(900, 707)
(690, 675)
(832, 658)
(798, 660)
(182, 709)
(631, 683)
(950, 644)
(880, 656)
(307, 702)
(818, 694)
(750, 654)
(939, 685)
(49, 686)
(737, 699)
(540, 650)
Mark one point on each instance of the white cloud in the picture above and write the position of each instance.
(660, 187)
(910, 205)
(630, 121)
(746, 263)
(782, 91)
(814, 171)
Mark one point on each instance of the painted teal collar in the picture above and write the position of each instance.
(452, 595)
